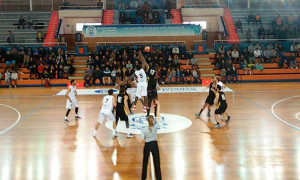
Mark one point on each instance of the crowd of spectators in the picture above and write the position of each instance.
(144, 14)
(279, 28)
(42, 64)
(252, 58)
(112, 64)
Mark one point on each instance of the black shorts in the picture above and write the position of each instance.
(121, 114)
(151, 85)
(221, 109)
(152, 95)
(209, 100)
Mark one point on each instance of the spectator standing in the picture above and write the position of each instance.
(40, 36)
(238, 25)
(11, 38)
(168, 7)
(29, 22)
(261, 32)
(21, 22)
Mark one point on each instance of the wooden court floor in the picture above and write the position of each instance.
(261, 142)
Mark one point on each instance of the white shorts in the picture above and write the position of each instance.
(141, 90)
(131, 92)
(105, 114)
(70, 105)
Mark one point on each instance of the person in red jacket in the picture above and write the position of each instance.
(41, 69)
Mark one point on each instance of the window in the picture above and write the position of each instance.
(201, 23)
(79, 26)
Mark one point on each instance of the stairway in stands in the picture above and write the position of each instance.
(54, 20)
(176, 16)
(108, 17)
(233, 37)
(80, 66)
(205, 65)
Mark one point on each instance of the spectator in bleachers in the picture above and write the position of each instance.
(145, 18)
(9, 59)
(251, 47)
(41, 69)
(11, 38)
(251, 19)
(189, 56)
(270, 32)
(251, 56)
(235, 56)
(293, 61)
(266, 56)
(258, 66)
(261, 32)
(273, 55)
(21, 22)
(139, 12)
(278, 20)
(238, 25)
(257, 46)
(182, 76)
(258, 19)
(293, 47)
(248, 35)
(298, 50)
(99, 3)
(235, 75)
(221, 49)
(106, 75)
(150, 16)
(40, 36)
(235, 46)
(189, 76)
(176, 61)
(175, 50)
(29, 22)
(257, 54)
(156, 18)
(87, 77)
(50, 50)
(122, 18)
(250, 67)
(7, 78)
(129, 65)
(0, 77)
(113, 75)
(178, 75)
(2, 54)
(66, 3)
(269, 47)
(163, 76)
(173, 76)
(280, 49)
(283, 60)
(223, 74)
(195, 76)
(182, 51)
(90, 63)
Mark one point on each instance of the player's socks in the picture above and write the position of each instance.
(95, 132)
(66, 117)
(208, 113)
(145, 109)
(201, 111)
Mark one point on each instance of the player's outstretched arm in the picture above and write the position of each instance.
(142, 59)
(130, 78)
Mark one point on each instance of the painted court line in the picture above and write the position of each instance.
(16, 122)
(297, 116)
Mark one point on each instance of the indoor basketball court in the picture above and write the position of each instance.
(261, 142)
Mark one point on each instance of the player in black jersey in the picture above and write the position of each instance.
(209, 100)
(221, 106)
(152, 87)
(122, 109)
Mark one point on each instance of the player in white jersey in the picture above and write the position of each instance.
(141, 78)
(108, 104)
(71, 101)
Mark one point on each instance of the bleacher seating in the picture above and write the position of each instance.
(267, 17)
(9, 21)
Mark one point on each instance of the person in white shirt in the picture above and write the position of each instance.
(235, 55)
(107, 107)
(257, 54)
(298, 49)
(71, 95)
(175, 50)
(14, 77)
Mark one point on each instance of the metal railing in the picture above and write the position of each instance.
(80, 8)
(217, 5)
(140, 42)
(263, 11)
(34, 44)
(257, 40)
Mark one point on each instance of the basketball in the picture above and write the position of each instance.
(147, 48)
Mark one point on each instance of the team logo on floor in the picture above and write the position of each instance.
(168, 123)
(105, 91)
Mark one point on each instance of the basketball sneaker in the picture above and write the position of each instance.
(197, 115)
(228, 120)
(208, 113)
(129, 135)
(115, 134)
(66, 121)
(77, 117)
(217, 125)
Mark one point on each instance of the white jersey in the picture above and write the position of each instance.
(222, 85)
(141, 76)
(107, 103)
(72, 93)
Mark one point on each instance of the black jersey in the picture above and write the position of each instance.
(222, 99)
(120, 101)
(211, 94)
(151, 73)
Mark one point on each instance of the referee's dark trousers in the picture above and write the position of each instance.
(153, 148)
